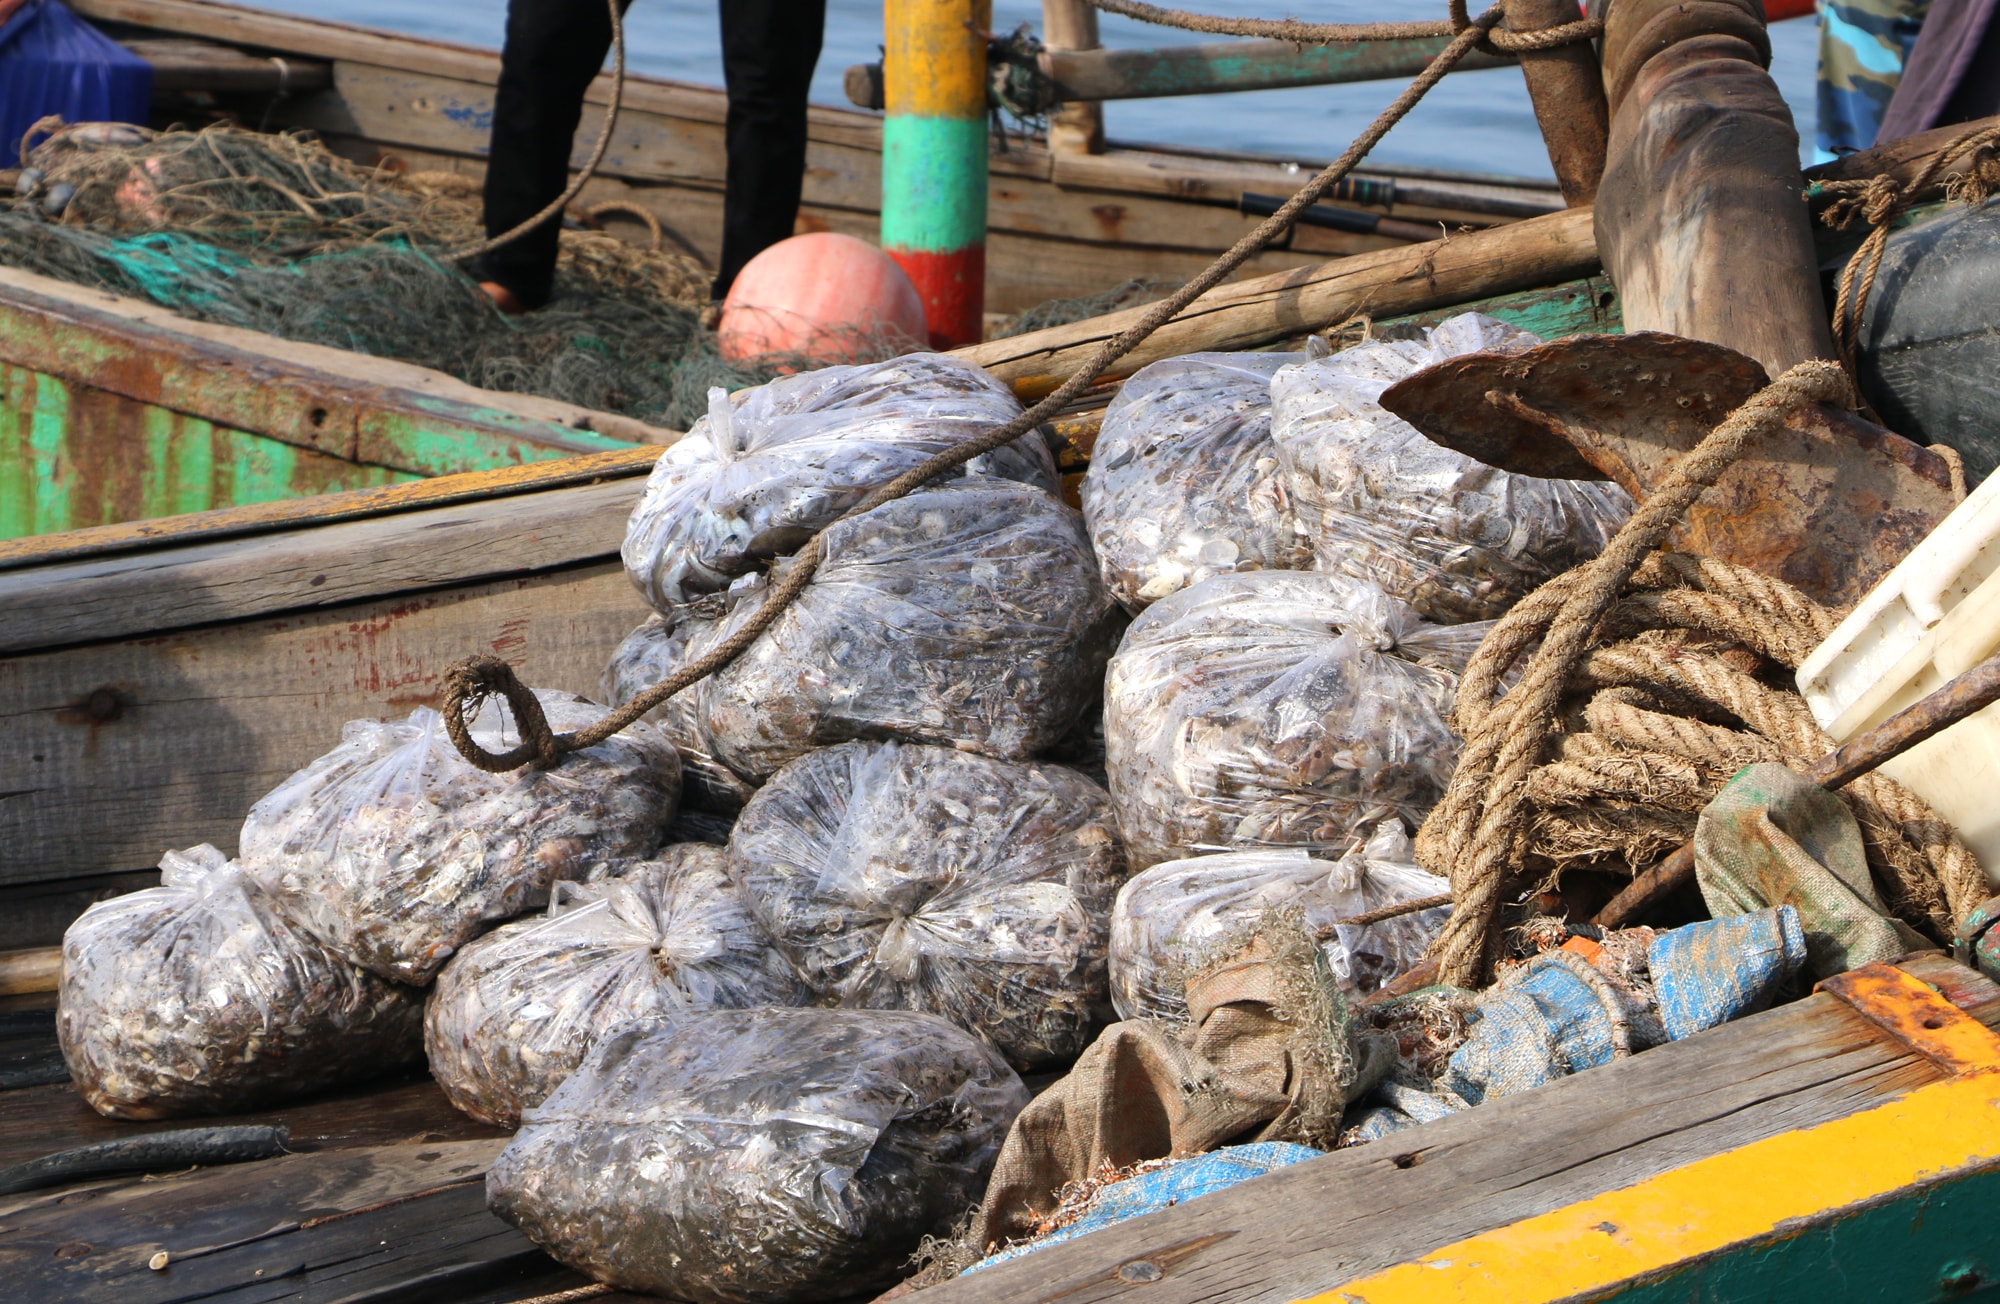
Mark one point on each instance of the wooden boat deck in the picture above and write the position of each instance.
(382, 1200)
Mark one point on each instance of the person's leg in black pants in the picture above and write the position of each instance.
(554, 49)
(769, 48)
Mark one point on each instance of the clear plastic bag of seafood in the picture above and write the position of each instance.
(1455, 538)
(1171, 919)
(395, 851)
(1277, 709)
(768, 466)
(514, 1012)
(759, 1155)
(1184, 481)
(969, 614)
(897, 876)
(194, 997)
(648, 655)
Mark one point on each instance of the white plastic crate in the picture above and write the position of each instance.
(1931, 619)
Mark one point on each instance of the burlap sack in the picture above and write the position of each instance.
(1271, 1053)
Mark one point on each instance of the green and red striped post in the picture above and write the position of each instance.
(934, 158)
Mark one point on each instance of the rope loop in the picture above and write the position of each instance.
(467, 686)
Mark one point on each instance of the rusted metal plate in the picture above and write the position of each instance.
(1913, 1014)
(1548, 411)
(1829, 504)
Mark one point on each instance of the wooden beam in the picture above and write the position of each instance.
(323, 509)
(1224, 66)
(347, 405)
(102, 598)
(1567, 89)
(35, 969)
(180, 64)
(1525, 255)
(1077, 127)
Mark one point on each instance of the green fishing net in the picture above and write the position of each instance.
(275, 233)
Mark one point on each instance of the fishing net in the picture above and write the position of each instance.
(275, 233)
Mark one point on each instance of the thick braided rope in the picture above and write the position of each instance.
(1880, 200)
(1474, 835)
(1930, 876)
(1298, 33)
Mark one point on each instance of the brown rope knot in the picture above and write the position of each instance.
(467, 685)
(1881, 200)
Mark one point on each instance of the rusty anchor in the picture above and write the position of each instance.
(1828, 504)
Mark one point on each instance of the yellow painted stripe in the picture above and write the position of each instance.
(934, 57)
(1945, 1128)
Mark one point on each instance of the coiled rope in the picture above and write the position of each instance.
(470, 682)
(1614, 739)
(589, 169)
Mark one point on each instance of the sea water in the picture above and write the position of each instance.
(1472, 122)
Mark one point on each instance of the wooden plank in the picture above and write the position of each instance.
(103, 598)
(314, 1225)
(37, 913)
(264, 518)
(180, 64)
(1314, 1225)
(343, 404)
(1537, 252)
(435, 114)
(128, 748)
(75, 455)
(409, 1109)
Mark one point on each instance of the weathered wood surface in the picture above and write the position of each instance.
(1699, 218)
(330, 400)
(324, 509)
(1076, 128)
(122, 750)
(37, 1121)
(180, 64)
(1538, 252)
(1900, 159)
(1567, 89)
(1312, 1226)
(103, 598)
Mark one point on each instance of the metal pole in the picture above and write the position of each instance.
(934, 158)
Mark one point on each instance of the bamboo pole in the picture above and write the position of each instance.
(1436, 274)
(31, 971)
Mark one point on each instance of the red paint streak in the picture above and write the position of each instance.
(953, 287)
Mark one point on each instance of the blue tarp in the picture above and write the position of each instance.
(51, 61)
(1162, 1188)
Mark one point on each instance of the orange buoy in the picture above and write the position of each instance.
(825, 297)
